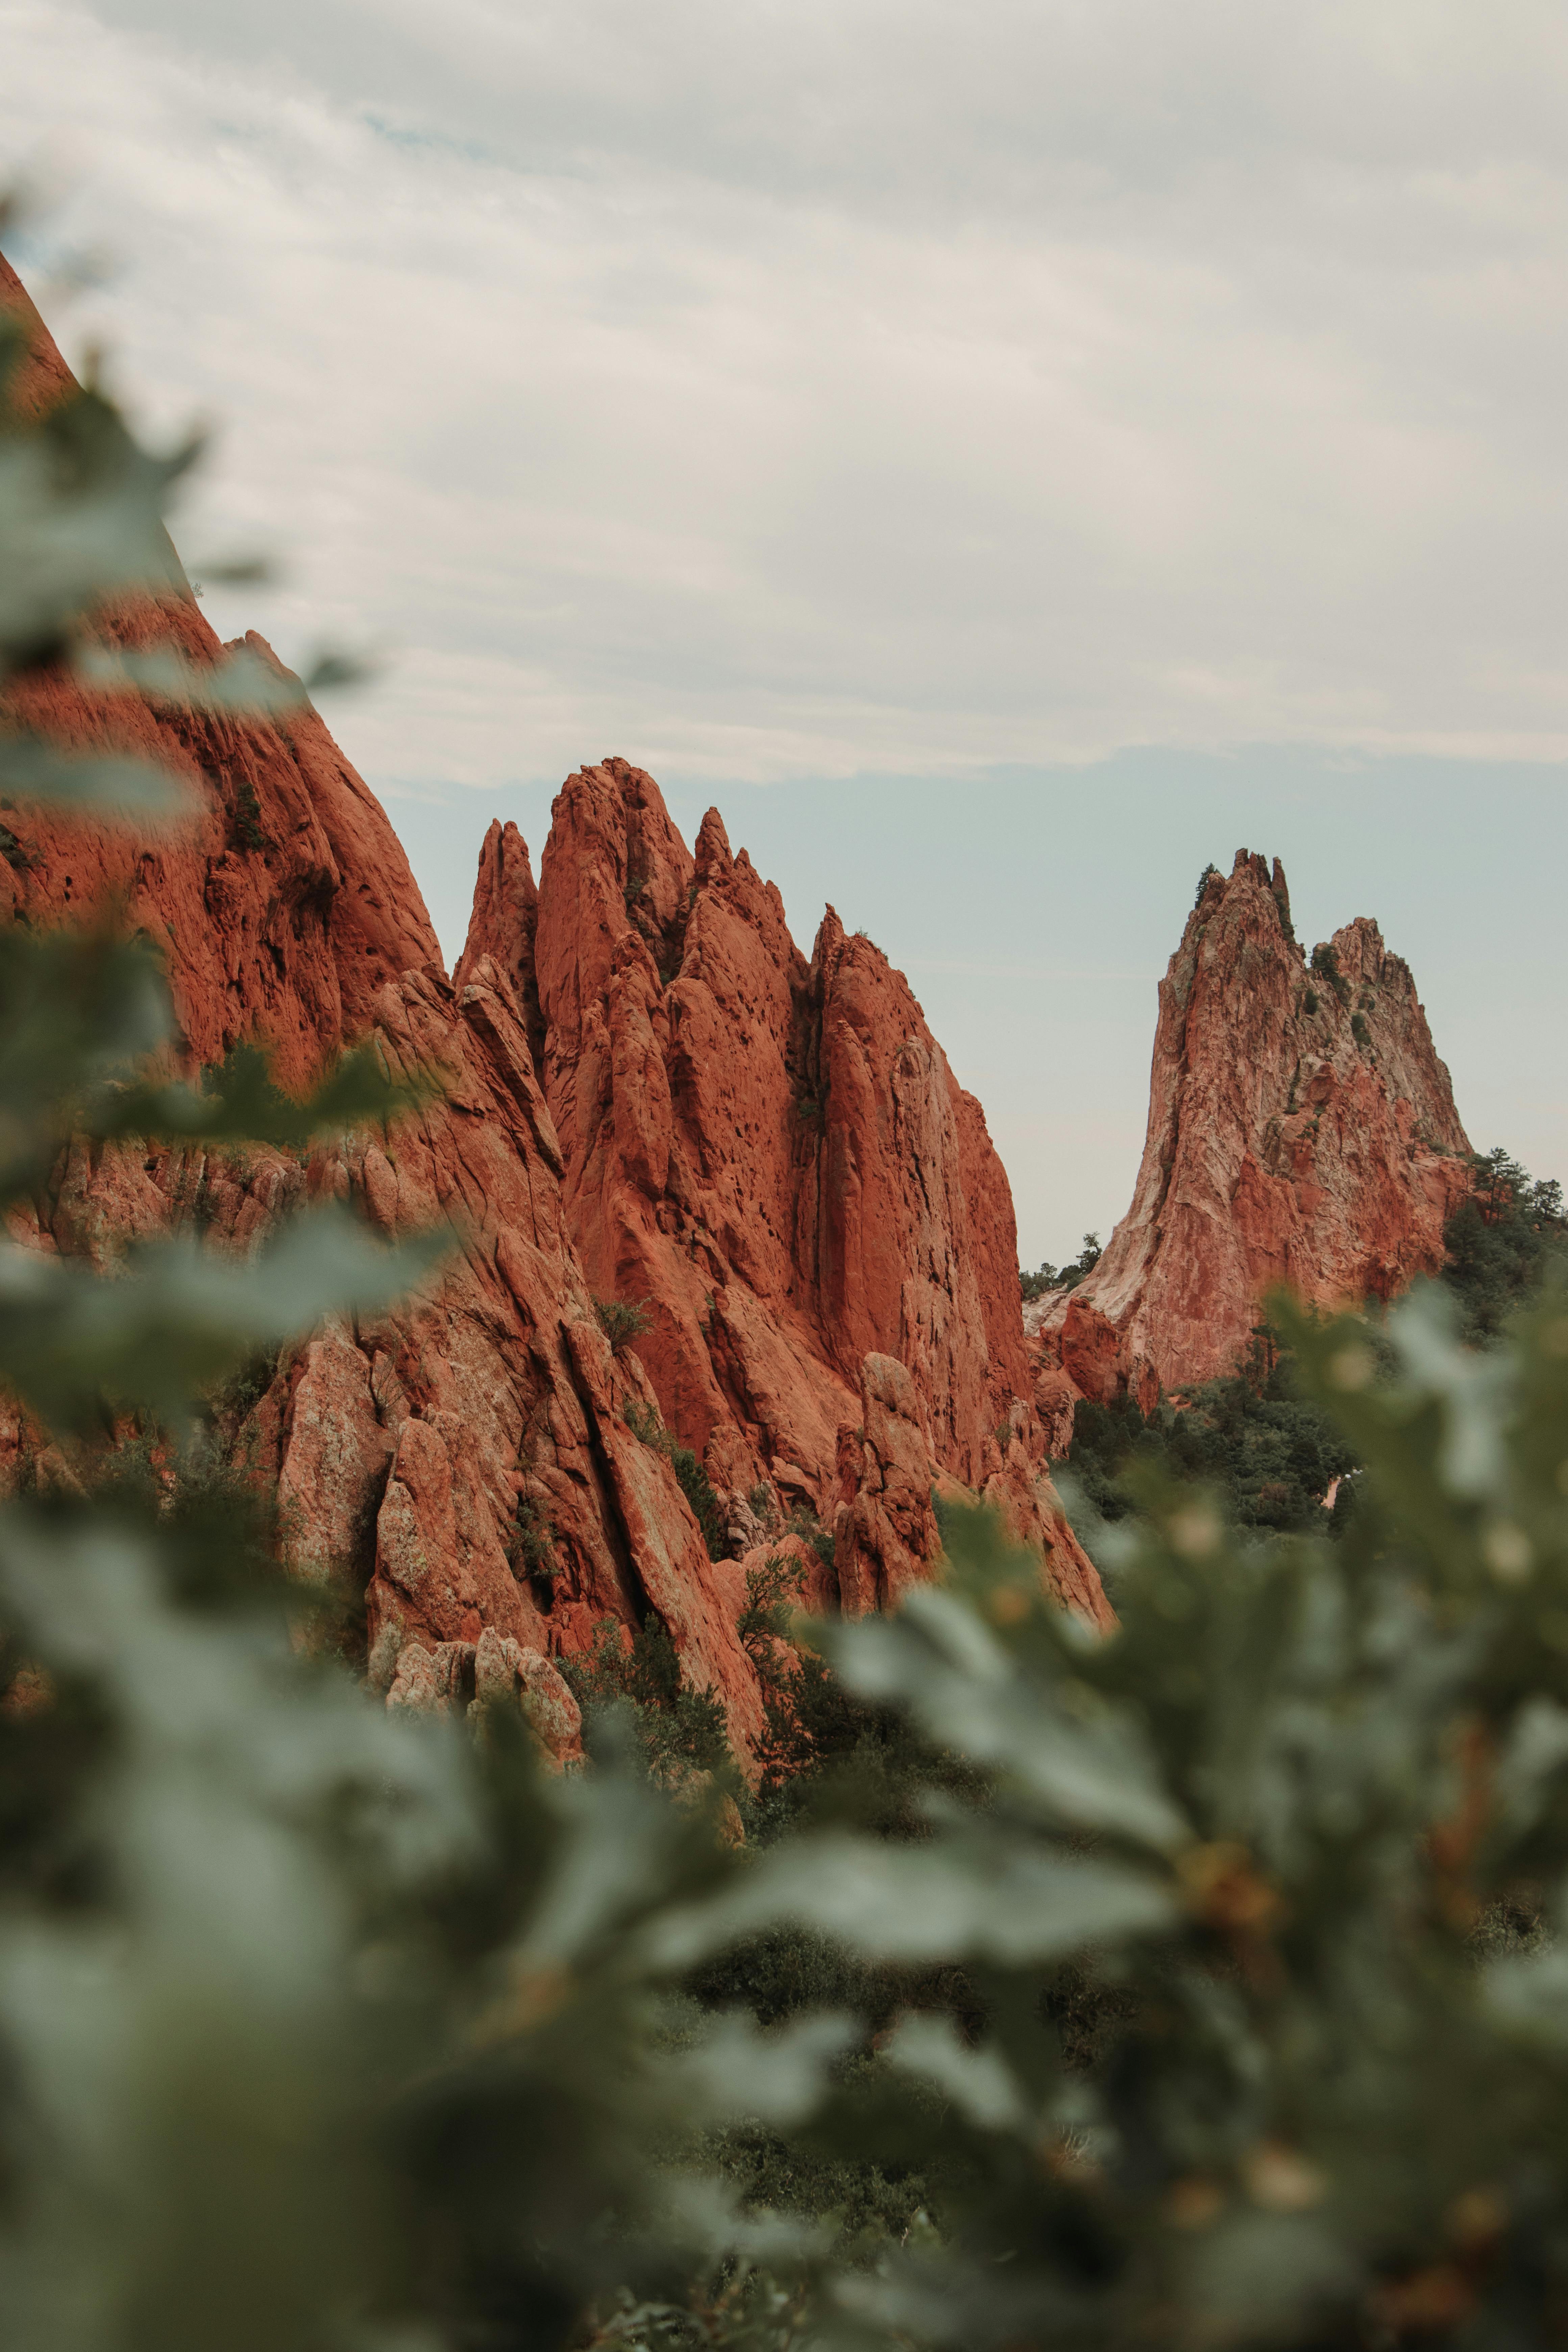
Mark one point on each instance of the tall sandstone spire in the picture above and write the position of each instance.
(772, 1158)
(1302, 1131)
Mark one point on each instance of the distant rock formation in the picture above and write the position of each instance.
(1302, 1131)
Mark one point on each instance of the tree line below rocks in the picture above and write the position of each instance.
(1272, 1454)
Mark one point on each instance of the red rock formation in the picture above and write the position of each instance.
(284, 901)
(773, 1153)
(662, 1128)
(774, 1158)
(41, 376)
(1302, 1131)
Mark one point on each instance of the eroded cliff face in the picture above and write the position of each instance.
(771, 1157)
(647, 1092)
(772, 1151)
(284, 901)
(1302, 1131)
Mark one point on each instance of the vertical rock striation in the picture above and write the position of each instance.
(770, 1157)
(772, 1152)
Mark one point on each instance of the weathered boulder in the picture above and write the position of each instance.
(467, 1677)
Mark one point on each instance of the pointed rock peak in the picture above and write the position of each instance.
(1245, 886)
(1248, 866)
(1301, 1130)
(713, 847)
(43, 376)
(1211, 890)
(829, 937)
(1361, 958)
(505, 911)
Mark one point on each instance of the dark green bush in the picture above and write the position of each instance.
(804, 1522)
(1048, 1277)
(1501, 1242)
(1326, 963)
(689, 1476)
(531, 1545)
(1269, 1453)
(699, 1490)
(678, 1728)
(623, 1321)
(247, 831)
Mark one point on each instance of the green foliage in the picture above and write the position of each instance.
(1327, 964)
(1209, 874)
(1501, 1242)
(679, 1730)
(1360, 1031)
(689, 1476)
(622, 1320)
(1309, 1001)
(1267, 1449)
(247, 831)
(1061, 1277)
(804, 1522)
(697, 1488)
(1269, 2046)
(531, 1544)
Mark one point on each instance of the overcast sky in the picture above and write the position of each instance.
(1006, 454)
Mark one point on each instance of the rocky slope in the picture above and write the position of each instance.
(1301, 1130)
(648, 1093)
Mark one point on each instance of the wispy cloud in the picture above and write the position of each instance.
(768, 392)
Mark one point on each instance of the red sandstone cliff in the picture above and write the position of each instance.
(1299, 1133)
(662, 1137)
(773, 1157)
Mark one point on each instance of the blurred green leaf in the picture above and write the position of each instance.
(113, 786)
(978, 1894)
(74, 1344)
